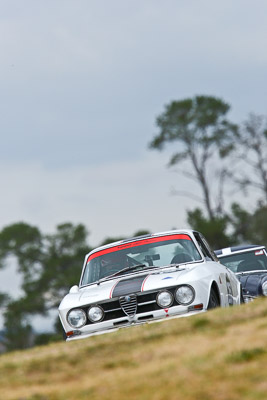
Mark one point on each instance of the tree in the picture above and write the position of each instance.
(49, 264)
(4, 298)
(249, 227)
(18, 331)
(252, 151)
(65, 251)
(203, 135)
(214, 230)
(24, 242)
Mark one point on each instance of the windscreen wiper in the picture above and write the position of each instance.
(132, 268)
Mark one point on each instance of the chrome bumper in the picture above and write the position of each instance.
(138, 319)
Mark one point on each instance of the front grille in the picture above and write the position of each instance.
(139, 303)
(129, 305)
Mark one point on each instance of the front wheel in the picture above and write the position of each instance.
(213, 301)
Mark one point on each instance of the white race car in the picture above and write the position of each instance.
(144, 279)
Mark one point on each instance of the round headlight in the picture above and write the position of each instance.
(164, 299)
(76, 318)
(184, 294)
(95, 314)
(264, 288)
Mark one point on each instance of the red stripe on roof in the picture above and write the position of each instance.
(137, 243)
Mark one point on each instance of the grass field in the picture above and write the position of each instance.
(218, 355)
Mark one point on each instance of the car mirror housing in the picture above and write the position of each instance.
(74, 289)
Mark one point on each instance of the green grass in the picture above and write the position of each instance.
(218, 355)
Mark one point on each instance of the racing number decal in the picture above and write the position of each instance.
(229, 291)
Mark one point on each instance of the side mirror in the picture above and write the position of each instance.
(74, 289)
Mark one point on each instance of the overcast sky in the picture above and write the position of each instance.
(81, 84)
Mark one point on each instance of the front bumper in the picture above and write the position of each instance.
(138, 319)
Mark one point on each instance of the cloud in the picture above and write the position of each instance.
(78, 80)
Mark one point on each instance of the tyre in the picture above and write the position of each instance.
(213, 301)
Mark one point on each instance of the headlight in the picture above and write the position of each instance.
(164, 299)
(95, 314)
(264, 288)
(184, 294)
(76, 318)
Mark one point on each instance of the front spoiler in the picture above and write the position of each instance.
(158, 316)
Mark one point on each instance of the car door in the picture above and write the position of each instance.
(230, 281)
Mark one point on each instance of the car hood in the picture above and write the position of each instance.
(132, 283)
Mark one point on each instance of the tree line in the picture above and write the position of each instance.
(219, 157)
(222, 160)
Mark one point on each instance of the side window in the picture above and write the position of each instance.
(203, 246)
(211, 252)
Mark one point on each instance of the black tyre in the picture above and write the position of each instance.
(242, 300)
(213, 301)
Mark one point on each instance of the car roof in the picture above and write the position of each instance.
(237, 249)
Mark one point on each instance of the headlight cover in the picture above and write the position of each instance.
(95, 314)
(264, 288)
(164, 299)
(184, 294)
(76, 318)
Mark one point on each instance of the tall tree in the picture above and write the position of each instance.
(49, 265)
(249, 226)
(252, 151)
(18, 331)
(3, 299)
(24, 242)
(65, 251)
(214, 230)
(203, 135)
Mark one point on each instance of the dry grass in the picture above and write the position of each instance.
(218, 355)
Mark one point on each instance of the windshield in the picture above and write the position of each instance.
(152, 252)
(249, 261)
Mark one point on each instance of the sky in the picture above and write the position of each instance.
(81, 85)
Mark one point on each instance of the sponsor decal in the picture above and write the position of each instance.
(167, 277)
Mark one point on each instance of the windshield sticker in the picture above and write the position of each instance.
(138, 243)
(259, 253)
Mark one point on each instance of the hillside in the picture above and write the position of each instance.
(218, 355)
